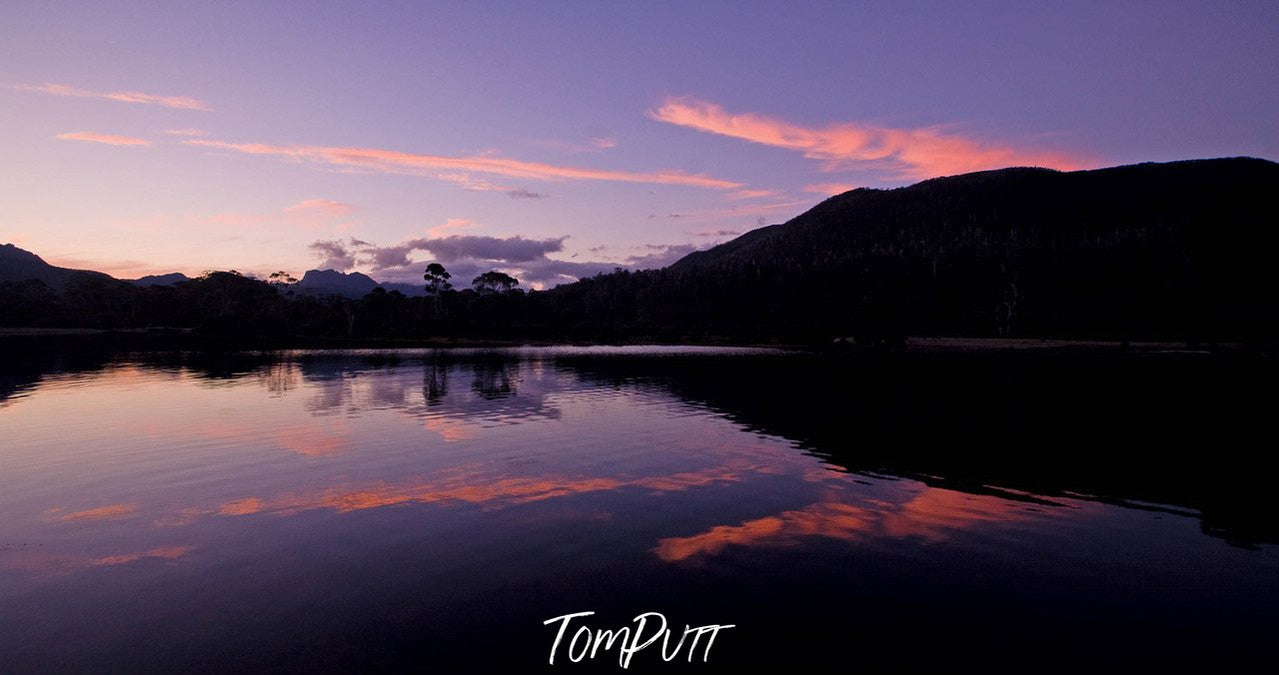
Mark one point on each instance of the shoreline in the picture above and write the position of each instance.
(166, 339)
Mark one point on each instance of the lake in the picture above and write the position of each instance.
(431, 510)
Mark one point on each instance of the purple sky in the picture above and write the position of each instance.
(552, 139)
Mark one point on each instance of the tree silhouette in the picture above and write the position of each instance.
(494, 282)
(282, 278)
(437, 279)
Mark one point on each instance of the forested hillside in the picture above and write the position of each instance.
(1180, 251)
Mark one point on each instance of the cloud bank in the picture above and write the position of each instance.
(467, 256)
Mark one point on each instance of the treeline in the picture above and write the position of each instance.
(1180, 251)
(227, 304)
(619, 307)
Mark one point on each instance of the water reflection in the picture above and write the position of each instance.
(435, 383)
(488, 390)
(1135, 430)
(607, 479)
(931, 515)
(915, 425)
(43, 564)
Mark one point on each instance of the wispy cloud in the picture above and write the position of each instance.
(592, 144)
(108, 139)
(451, 225)
(189, 132)
(716, 233)
(521, 193)
(326, 207)
(461, 179)
(744, 210)
(829, 189)
(914, 153)
(183, 102)
(458, 169)
(753, 194)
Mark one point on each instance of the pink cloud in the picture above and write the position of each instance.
(109, 139)
(914, 153)
(451, 225)
(189, 132)
(184, 102)
(325, 207)
(753, 194)
(458, 169)
(829, 189)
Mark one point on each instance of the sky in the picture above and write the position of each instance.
(555, 140)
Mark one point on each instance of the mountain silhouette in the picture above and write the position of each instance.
(1182, 249)
(333, 282)
(1177, 251)
(160, 279)
(19, 265)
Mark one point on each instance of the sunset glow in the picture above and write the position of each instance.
(152, 139)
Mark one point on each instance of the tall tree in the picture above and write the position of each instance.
(437, 279)
(494, 281)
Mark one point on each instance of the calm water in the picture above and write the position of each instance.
(429, 511)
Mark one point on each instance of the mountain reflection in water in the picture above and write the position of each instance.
(388, 509)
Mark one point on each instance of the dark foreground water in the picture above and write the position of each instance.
(431, 510)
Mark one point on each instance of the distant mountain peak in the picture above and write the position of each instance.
(333, 282)
(160, 279)
(10, 252)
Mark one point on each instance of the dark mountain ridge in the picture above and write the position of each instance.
(333, 282)
(1176, 250)
(160, 279)
(20, 265)
(1179, 251)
